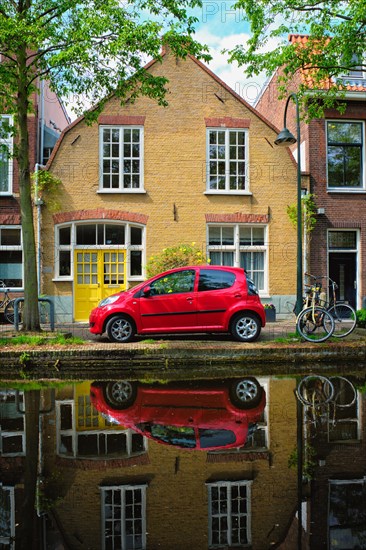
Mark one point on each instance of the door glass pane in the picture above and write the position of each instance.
(342, 240)
(136, 262)
(10, 237)
(114, 234)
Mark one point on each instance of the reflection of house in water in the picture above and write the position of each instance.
(103, 486)
(337, 515)
(138, 494)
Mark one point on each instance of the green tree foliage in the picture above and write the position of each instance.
(308, 211)
(92, 49)
(337, 43)
(175, 256)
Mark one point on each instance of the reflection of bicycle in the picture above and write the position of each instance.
(7, 304)
(322, 396)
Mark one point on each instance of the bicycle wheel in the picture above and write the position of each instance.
(3, 294)
(345, 394)
(315, 324)
(315, 389)
(9, 311)
(344, 319)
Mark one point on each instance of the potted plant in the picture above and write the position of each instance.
(270, 310)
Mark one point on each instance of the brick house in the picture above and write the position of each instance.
(146, 177)
(45, 125)
(333, 153)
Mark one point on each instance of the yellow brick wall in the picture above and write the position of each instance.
(174, 167)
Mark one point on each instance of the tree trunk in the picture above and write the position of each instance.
(30, 312)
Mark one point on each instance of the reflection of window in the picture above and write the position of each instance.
(181, 281)
(11, 257)
(6, 163)
(7, 517)
(182, 436)
(124, 517)
(347, 513)
(84, 433)
(240, 246)
(121, 159)
(229, 513)
(227, 152)
(124, 236)
(345, 155)
(12, 429)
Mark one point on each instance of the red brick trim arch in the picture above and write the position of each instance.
(100, 214)
(238, 217)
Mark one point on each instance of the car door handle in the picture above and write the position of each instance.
(189, 299)
(237, 295)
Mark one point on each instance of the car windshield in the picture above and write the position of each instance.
(173, 435)
(216, 438)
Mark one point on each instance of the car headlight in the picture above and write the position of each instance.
(109, 300)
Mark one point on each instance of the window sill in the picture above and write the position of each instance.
(121, 191)
(62, 279)
(350, 190)
(212, 192)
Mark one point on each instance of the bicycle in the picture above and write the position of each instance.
(344, 315)
(314, 323)
(7, 304)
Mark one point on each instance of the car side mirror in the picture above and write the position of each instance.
(146, 291)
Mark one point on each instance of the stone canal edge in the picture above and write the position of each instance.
(179, 360)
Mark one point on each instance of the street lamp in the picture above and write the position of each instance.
(284, 139)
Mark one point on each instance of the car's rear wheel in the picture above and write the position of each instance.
(120, 329)
(245, 326)
(120, 394)
(246, 393)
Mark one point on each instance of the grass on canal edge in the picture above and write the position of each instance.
(40, 340)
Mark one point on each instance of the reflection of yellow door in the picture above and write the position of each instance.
(97, 274)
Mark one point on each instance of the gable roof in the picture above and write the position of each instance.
(147, 67)
(350, 84)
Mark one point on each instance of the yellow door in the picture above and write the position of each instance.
(98, 273)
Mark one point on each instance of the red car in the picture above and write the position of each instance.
(187, 299)
(206, 416)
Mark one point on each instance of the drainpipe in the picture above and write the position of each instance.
(38, 203)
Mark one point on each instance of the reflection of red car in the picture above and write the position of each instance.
(208, 415)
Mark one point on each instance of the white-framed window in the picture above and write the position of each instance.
(240, 245)
(346, 170)
(346, 516)
(357, 69)
(123, 509)
(83, 433)
(11, 256)
(12, 426)
(227, 161)
(229, 514)
(7, 517)
(121, 159)
(6, 161)
(118, 236)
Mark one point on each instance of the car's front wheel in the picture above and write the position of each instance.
(120, 394)
(246, 393)
(245, 326)
(120, 329)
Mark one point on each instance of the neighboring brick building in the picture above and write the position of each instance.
(45, 124)
(145, 177)
(333, 152)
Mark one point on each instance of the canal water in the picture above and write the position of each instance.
(246, 462)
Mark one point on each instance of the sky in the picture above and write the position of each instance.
(220, 28)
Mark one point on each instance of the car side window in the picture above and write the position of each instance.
(215, 279)
(174, 283)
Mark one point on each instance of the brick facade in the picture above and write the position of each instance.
(339, 209)
(175, 203)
